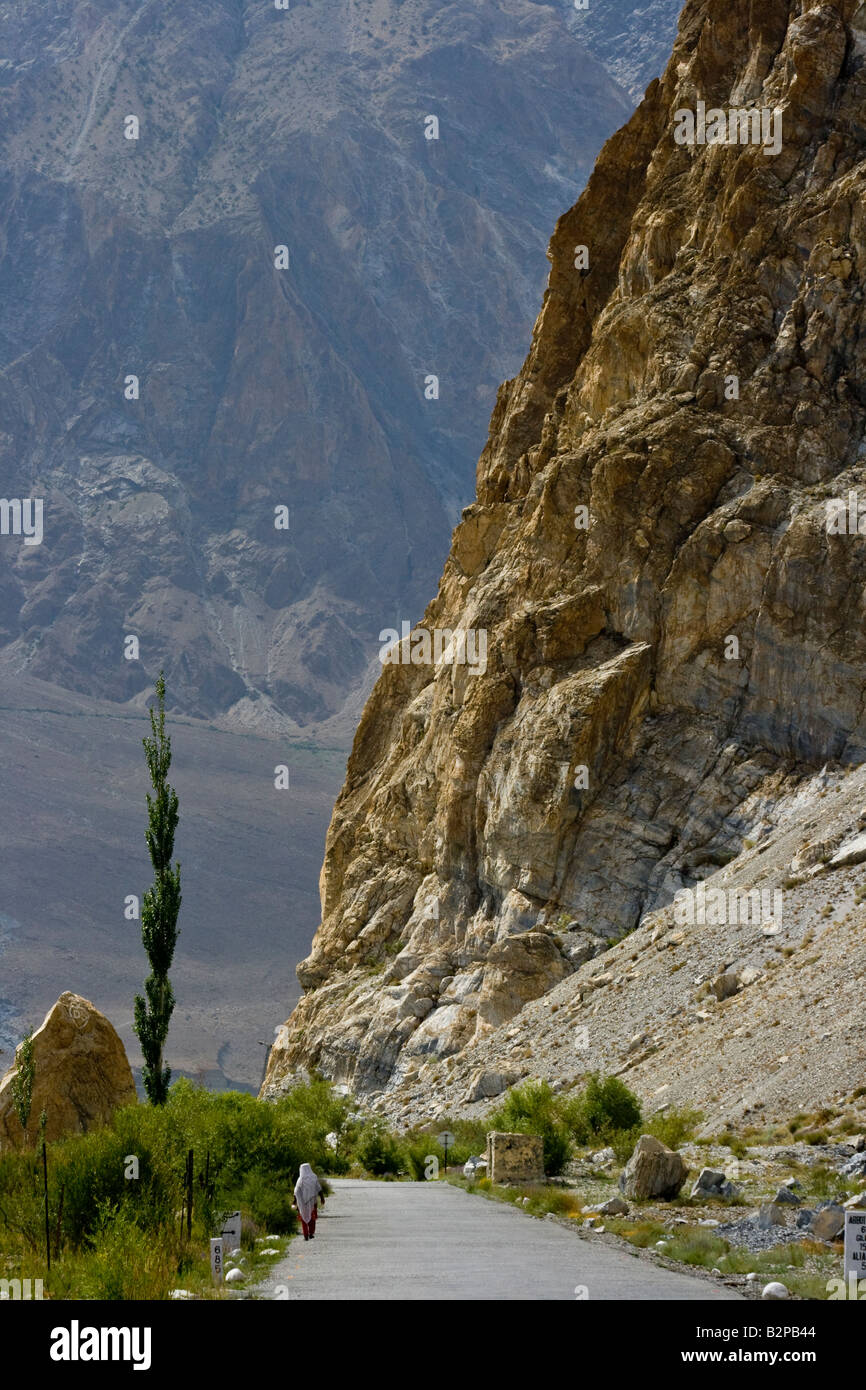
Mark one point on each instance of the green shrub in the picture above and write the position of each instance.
(306, 1115)
(674, 1126)
(470, 1137)
(417, 1150)
(22, 1219)
(377, 1150)
(697, 1247)
(622, 1141)
(268, 1199)
(246, 1155)
(558, 1148)
(604, 1106)
(119, 1262)
(90, 1168)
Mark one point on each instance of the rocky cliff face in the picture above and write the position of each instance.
(673, 631)
(148, 251)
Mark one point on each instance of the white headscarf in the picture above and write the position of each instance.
(307, 1189)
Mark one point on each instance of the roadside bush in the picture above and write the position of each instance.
(417, 1150)
(377, 1150)
(470, 1137)
(604, 1106)
(122, 1261)
(268, 1199)
(117, 1191)
(306, 1115)
(552, 1199)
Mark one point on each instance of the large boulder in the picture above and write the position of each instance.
(653, 1170)
(485, 1084)
(614, 1206)
(829, 1223)
(82, 1074)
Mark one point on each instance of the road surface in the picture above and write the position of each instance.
(429, 1240)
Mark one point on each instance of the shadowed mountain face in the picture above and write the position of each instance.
(169, 378)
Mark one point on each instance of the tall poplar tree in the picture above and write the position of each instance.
(159, 909)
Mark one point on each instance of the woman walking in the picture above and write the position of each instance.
(308, 1193)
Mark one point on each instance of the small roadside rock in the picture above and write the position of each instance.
(615, 1206)
(708, 1183)
(774, 1291)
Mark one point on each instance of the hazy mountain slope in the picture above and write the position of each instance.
(258, 386)
(632, 40)
(683, 646)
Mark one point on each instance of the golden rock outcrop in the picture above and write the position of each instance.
(671, 624)
(82, 1074)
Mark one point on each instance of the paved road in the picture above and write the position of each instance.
(429, 1240)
